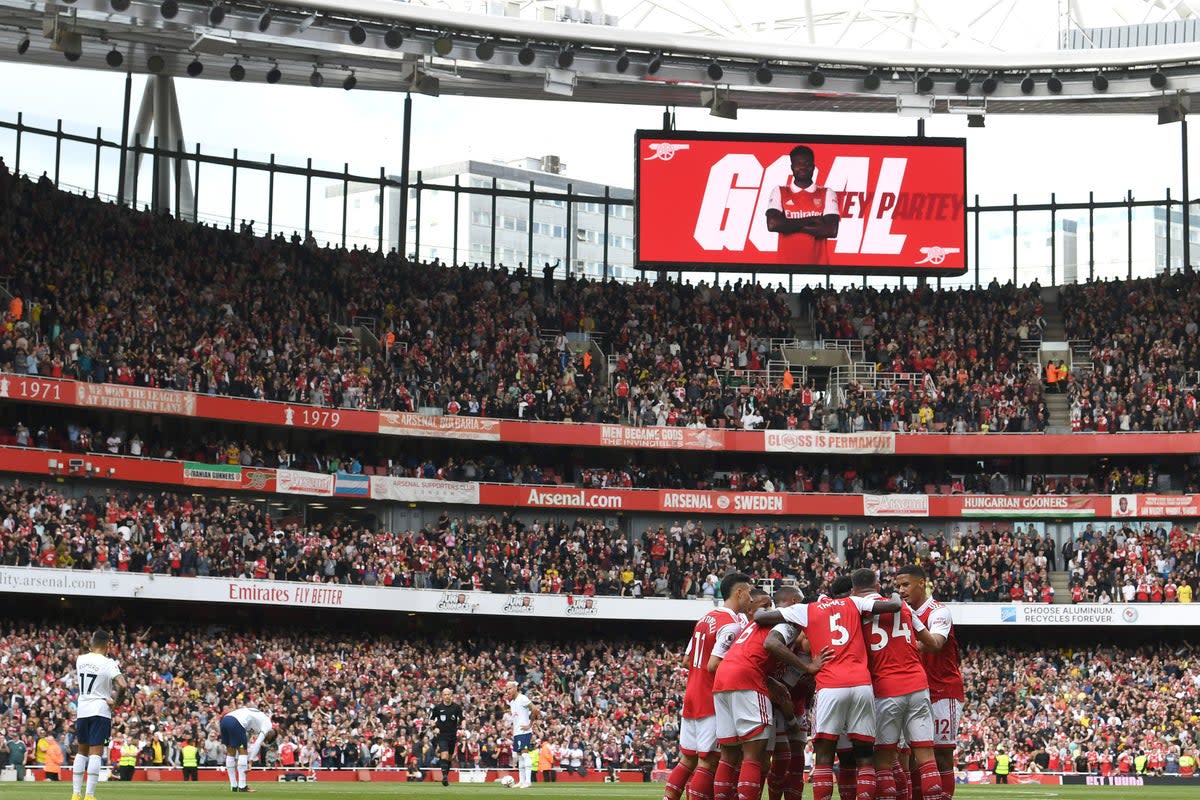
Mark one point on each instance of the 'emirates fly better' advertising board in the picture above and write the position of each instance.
(801, 203)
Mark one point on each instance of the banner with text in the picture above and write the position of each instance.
(213, 476)
(802, 203)
(291, 481)
(896, 505)
(867, 443)
(424, 490)
(404, 423)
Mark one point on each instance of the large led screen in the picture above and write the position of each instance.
(801, 203)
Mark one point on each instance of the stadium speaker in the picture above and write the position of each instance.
(1100, 82)
(350, 82)
(962, 85)
(393, 38)
(357, 33)
(655, 64)
(526, 55)
(485, 50)
(169, 9)
(195, 68)
(566, 56)
(316, 80)
(264, 21)
(990, 84)
(156, 63)
(816, 78)
(443, 44)
(119, 5)
(237, 72)
(71, 55)
(715, 71)
(1158, 80)
(216, 14)
(871, 82)
(622, 60)
(23, 46)
(1027, 85)
(763, 73)
(925, 83)
(1054, 84)
(114, 58)
(274, 75)
(975, 121)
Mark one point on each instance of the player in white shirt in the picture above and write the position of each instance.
(522, 712)
(236, 729)
(101, 686)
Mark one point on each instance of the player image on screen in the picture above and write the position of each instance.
(803, 213)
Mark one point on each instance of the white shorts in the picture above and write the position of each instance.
(945, 722)
(698, 737)
(743, 715)
(848, 710)
(907, 717)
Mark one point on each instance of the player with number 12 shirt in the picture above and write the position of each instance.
(941, 666)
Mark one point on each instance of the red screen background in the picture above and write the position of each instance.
(701, 202)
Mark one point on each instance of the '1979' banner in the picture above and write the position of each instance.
(803, 203)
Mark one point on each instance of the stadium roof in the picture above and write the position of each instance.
(913, 56)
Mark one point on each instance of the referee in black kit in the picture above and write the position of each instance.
(446, 716)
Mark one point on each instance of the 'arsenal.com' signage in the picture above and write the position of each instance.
(803, 203)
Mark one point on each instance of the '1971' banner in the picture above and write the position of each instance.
(804, 203)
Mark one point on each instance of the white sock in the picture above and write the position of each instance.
(243, 764)
(77, 770)
(93, 775)
(525, 768)
(231, 771)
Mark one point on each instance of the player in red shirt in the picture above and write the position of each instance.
(792, 693)
(902, 706)
(745, 721)
(941, 665)
(711, 639)
(845, 702)
(805, 214)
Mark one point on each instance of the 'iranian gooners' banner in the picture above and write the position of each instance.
(215, 476)
(804, 203)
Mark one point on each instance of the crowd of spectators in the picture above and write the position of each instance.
(186, 535)
(1089, 709)
(107, 294)
(1145, 351)
(955, 357)
(345, 701)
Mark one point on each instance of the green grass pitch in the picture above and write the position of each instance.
(424, 791)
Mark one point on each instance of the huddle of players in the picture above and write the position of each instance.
(887, 706)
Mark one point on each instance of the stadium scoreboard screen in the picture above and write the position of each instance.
(836, 204)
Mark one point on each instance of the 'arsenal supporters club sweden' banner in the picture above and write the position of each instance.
(802, 203)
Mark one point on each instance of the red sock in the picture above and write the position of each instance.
(866, 783)
(885, 784)
(903, 787)
(822, 781)
(725, 781)
(700, 787)
(677, 781)
(914, 784)
(930, 781)
(750, 780)
(847, 779)
(781, 760)
(795, 782)
(948, 785)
